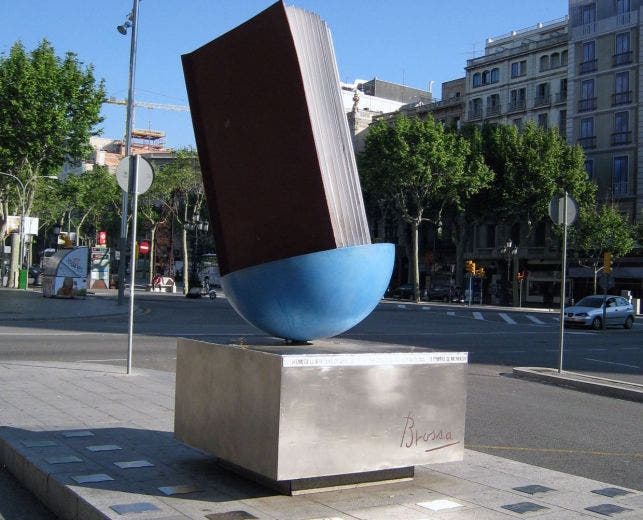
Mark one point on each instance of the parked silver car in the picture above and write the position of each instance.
(589, 312)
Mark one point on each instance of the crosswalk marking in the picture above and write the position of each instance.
(534, 319)
(507, 318)
(478, 316)
(426, 308)
(450, 313)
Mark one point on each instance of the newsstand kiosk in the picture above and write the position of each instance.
(65, 273)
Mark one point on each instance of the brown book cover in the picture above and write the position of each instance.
(277, 161)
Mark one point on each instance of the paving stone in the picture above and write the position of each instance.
(533, 489)
(611, 492)
(137, 507)
(524, 507)
(607, 509)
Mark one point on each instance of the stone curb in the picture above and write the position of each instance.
(582, 382)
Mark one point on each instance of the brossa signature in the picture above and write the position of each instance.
(411, 436)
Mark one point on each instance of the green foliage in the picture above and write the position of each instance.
(531, 167)
(420, 167)
(603, 230)
(49, 108)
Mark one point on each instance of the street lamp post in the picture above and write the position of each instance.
(23, 210)
(510, 250)
(130, 23)
(198, 226)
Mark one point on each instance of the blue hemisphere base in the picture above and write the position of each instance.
(317, 295)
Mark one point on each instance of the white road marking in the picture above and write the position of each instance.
(507, 318)
(98, 360)
(450, 313)
(478, 316)
(401, 306)
(534, 319)
(426, 308)
(612, 363)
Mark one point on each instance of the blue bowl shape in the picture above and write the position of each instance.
(317, 295)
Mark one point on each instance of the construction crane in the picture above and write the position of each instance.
(145, 104)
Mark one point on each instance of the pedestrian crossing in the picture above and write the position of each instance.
(508, 318)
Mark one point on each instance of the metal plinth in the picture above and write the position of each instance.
(334, 408)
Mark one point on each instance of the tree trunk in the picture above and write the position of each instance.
(186, 276)
(415, 260)
(15, 260)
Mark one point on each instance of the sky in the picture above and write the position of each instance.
(411, 42)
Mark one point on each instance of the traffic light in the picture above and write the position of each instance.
(471, 267)
(480, 273)
(607, 262)
(521, 275)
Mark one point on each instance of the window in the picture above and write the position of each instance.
(622, 52)
(619, 177)
(476, 80)
(554, 61)
(543, 121)
(518, 68)
(563, 58)
(544, 63)
(589, 169)
(495, 75)
(475, 108)
(517, 99)
(542, 95)
(587, 99)
(518, 123)
(561, 96)
(587, 138)
(621, 88)
(589, 58)
(493, 104)
(622, 6)
(485, 77)
(587, 127)
(588, 14)
(621, 134)
(562, 123)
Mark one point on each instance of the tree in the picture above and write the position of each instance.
(531, 166)
(600, 231)
(49, 108)
(179, 192)
(420, 168)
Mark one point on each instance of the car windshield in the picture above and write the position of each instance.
(591, 301)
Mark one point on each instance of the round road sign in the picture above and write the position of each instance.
(144, 248)
(144, 175)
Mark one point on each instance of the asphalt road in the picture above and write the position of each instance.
(543, 425)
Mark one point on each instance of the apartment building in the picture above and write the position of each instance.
(604, 95)
(521, 76)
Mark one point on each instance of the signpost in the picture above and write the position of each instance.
(563, 210)
(144, 248)
(134, 175)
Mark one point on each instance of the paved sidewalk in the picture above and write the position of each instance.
(92, 442)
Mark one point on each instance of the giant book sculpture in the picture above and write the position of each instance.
(280, 177)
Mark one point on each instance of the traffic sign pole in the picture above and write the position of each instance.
(130, 333)
(561, 339)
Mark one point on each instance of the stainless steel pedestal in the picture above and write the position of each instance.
(335, 408)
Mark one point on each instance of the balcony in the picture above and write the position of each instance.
(587, 142)
(542, 100)
(493, 110)
(474, 114)
(585, 105)
(561, 97)
(620, 189)
(587, 66)
(517, 105)
(622, 58)
(621, 138)
(622, 98)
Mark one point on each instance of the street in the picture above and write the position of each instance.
(549, 426)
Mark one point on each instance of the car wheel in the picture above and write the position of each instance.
(629, 322)
(596, 324)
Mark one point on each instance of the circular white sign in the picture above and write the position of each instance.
(144, 174)
(557, 211)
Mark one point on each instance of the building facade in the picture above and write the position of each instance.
(604, 95)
